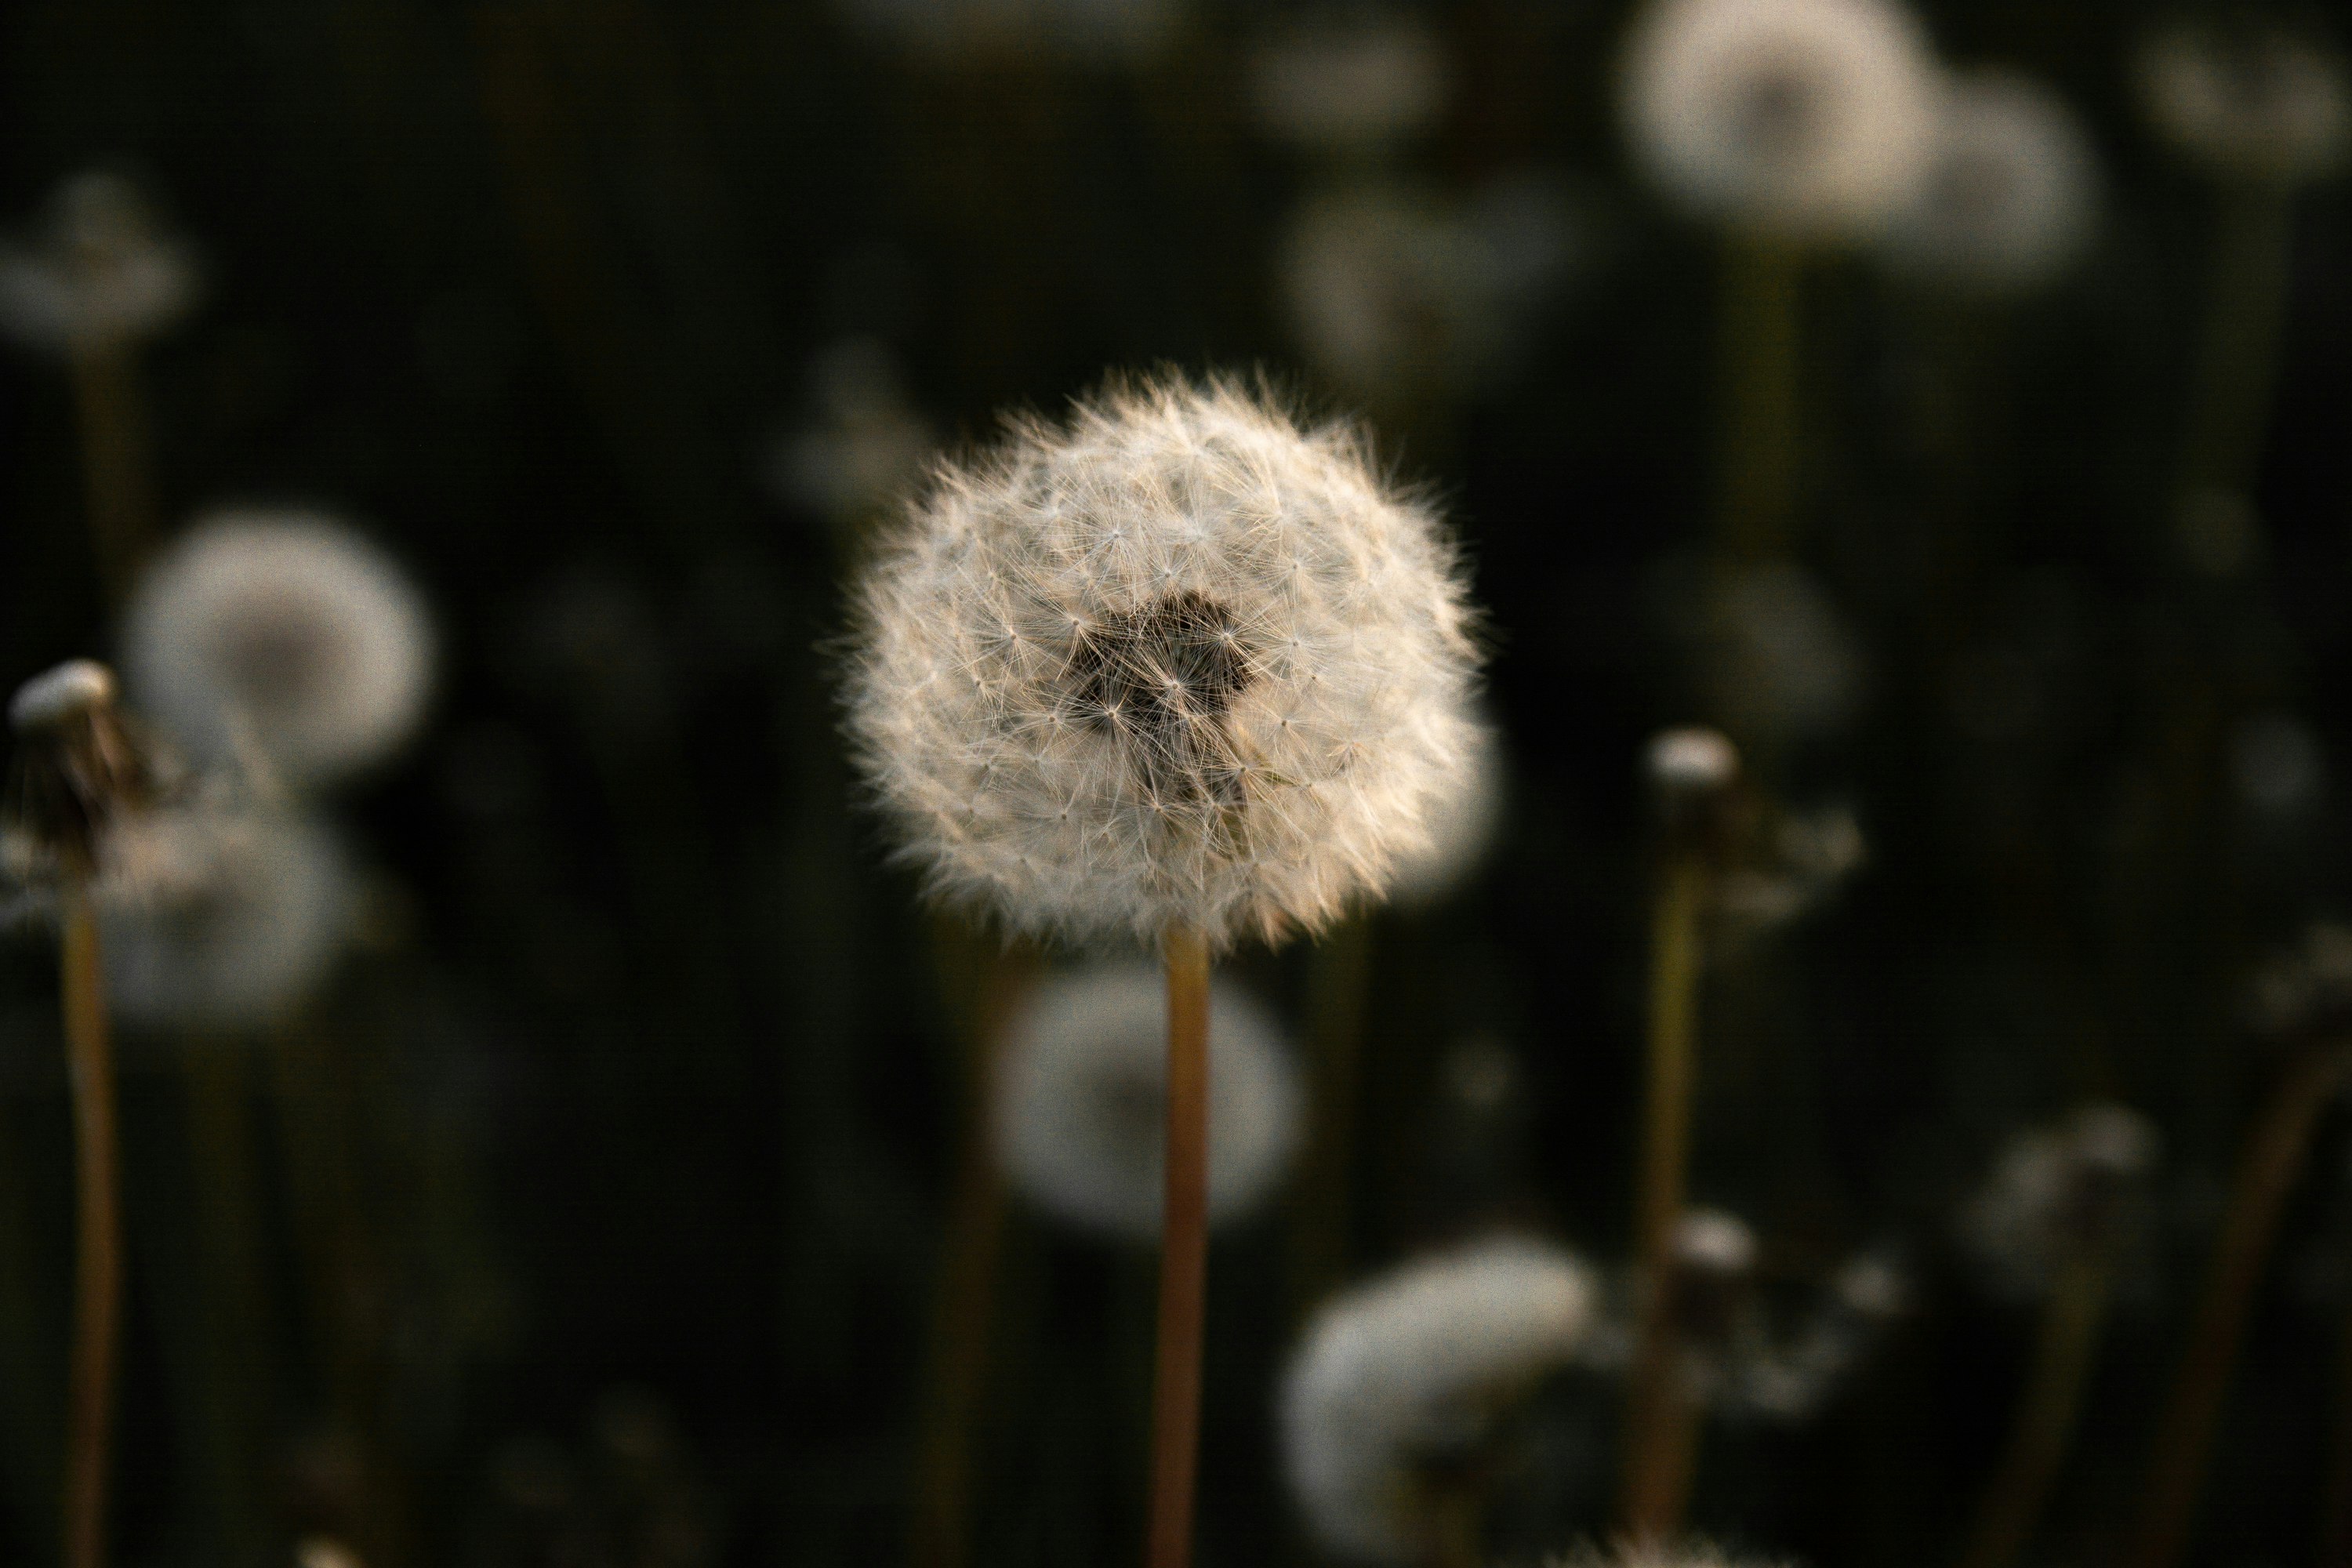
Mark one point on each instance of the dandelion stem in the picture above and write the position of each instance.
(2266, 1175)
(1338, 969)
(1661, 1433)
(2064, 1351)
(2237, 363)
(97, 1271)
(964, 1309)
(1760, 397)
(1183, 1255)
(114, 463)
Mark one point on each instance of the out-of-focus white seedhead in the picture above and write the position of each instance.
(100, 276)
(2012, 197)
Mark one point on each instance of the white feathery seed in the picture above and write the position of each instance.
(1176, 661)
(100, 275)
(222, 916)
(1346, 86)
(1081, 1106)
(1810, 118)
(282, 637)
(2012, 197)
(1410, 1370)
(2266, 106)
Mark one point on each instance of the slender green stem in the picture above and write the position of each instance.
(98, 1270)
(1339, 971)
(1760, 423)
(2266, 1176)
(1661, 1427)
(1183, 1255)
(2065, 1351)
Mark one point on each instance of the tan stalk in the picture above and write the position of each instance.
(1183, 1255)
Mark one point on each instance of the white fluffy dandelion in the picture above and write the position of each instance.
(1410, 1371)
(2058, 1192)
(1809, 117)
(282, 637)
(1461, 836)
(1356, 85)
(2011, 200)
(100, 274)
(2266, 106)
(1082, 1100)
(1177, 664)
(238, 913)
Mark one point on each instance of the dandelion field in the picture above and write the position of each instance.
(1663, 682)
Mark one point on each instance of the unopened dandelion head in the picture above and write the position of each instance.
(101, 274)
(1810, 118)
(2069, 1190)
(280, 638)
(1081, 1108)
(2265, 106)
(80, 771)
(1177, 662)
(1348, 86)
(1407, 1372)
(2010, 199)
(237, 914)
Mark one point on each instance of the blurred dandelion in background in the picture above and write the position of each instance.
(1082, 1100)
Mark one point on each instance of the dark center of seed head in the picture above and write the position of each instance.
(1162, 678)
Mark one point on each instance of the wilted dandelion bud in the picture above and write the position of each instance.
(282, 637)
(239, 913)
(100, 276)
(78, 772)
(1812, 119)
(2307, 993)
(2010, 199)
(1176, 662)
(1400, 1381)
(1713, 1258)
(2064, 1191)
(1349, 86)
(2263, 106)
(1081, 1101)
(1689, 762)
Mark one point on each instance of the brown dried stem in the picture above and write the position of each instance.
(97, 1267)
(1183, 1255)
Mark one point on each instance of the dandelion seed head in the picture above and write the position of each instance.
(2263, 106)
(1176, 661)
(2059, 1191)
(1461, 835)
(2010, 199)
(1081, 1104)
(282, 637)
(100, 275)
(1408, 1371)
(237, 912)
(1807, 118)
